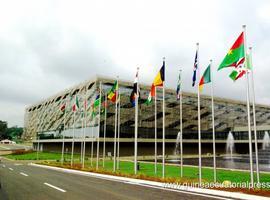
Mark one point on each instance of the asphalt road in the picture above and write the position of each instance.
(25, 182)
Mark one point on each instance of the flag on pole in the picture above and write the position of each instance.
(63, 107)
(134, 92)
(160, 77)
(235, 54)
(235, 58)
(241, 69)
(206, 78)
(151, 95)
(195, 69)
(113, 92)
(75, 105)
(178, 87)
(158, 82)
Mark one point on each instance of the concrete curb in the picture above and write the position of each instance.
(192, 190)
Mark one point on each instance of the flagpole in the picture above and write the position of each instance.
(163, 127)
(136, 127)
(118, 139)
(115, 129)
(92, 143)
(81, 138)
(104, 135)
(155, 130)
(100, 88)
(84, 121)
(37, 145)
(213, 124)
(248, 112)
(181, 125)
(72, 148)
(63, 142)
(254, 118)
(199, 122)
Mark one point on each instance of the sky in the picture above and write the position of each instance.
(47, 46)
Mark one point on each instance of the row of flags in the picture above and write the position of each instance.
(234, 58)
(237, 58)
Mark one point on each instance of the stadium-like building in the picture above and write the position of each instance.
(46, 124)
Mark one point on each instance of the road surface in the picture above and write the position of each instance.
(25, 182)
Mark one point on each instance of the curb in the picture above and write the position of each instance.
(191, 190)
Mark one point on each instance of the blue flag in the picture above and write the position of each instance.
(195, 69)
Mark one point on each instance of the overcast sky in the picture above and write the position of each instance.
(47, 46)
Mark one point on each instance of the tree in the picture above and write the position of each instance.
(3, 130)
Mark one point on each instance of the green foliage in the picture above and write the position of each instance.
(3, 130)
(12, 133)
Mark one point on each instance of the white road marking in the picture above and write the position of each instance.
(23, 174)
(54, 187)
(10, 169)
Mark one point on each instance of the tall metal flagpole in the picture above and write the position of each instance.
(73, 139)
(37, 145)
(63, 141)
(99, 111)
(136, 125)
(118, 134)
(248, 112)
(104, 135)
(115, 128)
(163, 127)
(254, 117)
(213, 124)
(92, 143)
(81, 137)
(199, 121)
(84, 121)
(181, 125)
(155, 130)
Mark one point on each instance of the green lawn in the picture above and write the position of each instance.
(41, 156)
(147, 169)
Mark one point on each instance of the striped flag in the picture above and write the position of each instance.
(178, 87)
(136, 90)
(206, 78)
(195, 69)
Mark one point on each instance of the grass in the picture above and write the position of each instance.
(41, 156)
(147, 169)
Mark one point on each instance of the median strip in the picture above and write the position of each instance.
(23, 174)
(54, 187)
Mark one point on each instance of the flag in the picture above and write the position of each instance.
(151, 95)
(236, 54)
(206, 78)
(195, 69)
(63, 107)
(160, 77)
(134, 92)
(178, 87)
(75, 105)
(96, 102)
(113, 92)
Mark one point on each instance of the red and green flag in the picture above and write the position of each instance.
(236, 54)
(113, 92)
(75, 105)
(149, 100)
(63, 107)
(206, 78)
(241, 69)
